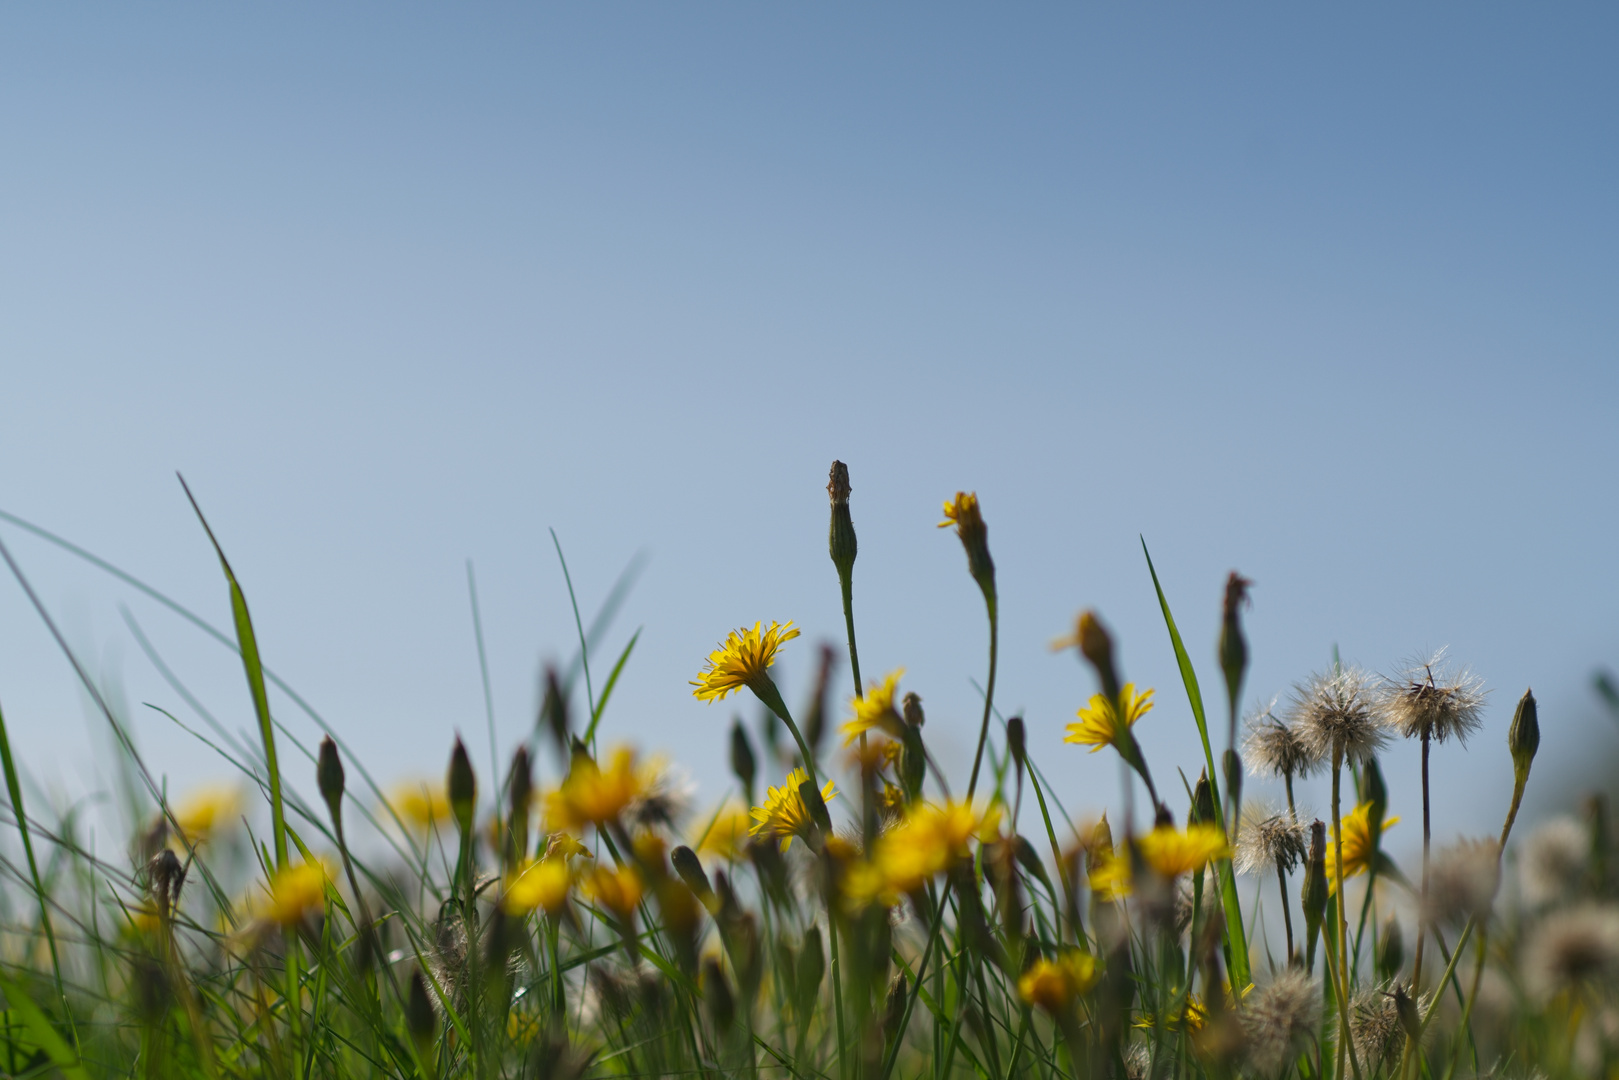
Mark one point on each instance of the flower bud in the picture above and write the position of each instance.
(1096, 645)
(811, 966)
(1314, 899)
(1523, 737)
(717, 997)
(815, 715)
(1233, 646)
(1390, 951)
(841, 539)
(554, 711)
(963, 513)
(520, 794)
(419, 1017)
(690, 869)
(1376, 792)
(816, 805)
(1016, 743)
(329, 777)
(462, 786)
(1231, 765)
(742, 760)
(1202, 811)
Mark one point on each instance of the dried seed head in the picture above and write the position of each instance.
(1463, 882)
(1580, 945)
(1433, 699)
(1279, 1020)
(1338, 713)
(1554, 861)
(1273, 747)
(1374, 1024)
(1270, 839)
(911, 709)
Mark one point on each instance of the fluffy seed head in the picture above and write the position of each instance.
(1374, 1023)
(1464, 881)
(1434, 699)
(1573, 947)
(1338, 712)
(1279, 1021)
(1273, 747)
(1554, 860)
(1268, 839)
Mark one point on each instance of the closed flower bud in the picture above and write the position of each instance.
(963, 513)
(329, 777)
(1096, 645)
(841, 542)
(1202, 811)
(815, 715)
(1231, 765)
(420, 1019)
(1233, 646)
(1523, 737)
(911, 709)
(520, 793)
(554, 711)
(811, 967)
(462, 787)
(1376, 792)
(742, 760)
(690, 869)
(816, 805)
(1314, 899)
(1390, 951)
(1015, 742)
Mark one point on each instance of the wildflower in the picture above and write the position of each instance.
(1431, 700)
(294, 892)
(1099, 724)
(204, 809)
(1054, 985)
(543, 884)
(420, 803)
(619, 891)
(1375, 1027)
(1358, 845)
(1268, 839)
(929, 840)
(1171, 852)
(1553, 861)
(1464, 881)
(876, 709)
(593, 796)
(1273, 748)
(1279, 1020)
(1336, 714)
(1572, 948)
(741, 660)
(727, 835)
(784, 813)
(962, 512)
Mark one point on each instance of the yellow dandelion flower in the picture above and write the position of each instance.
(592, 795)
(206, 809)
(876, 709)
(1358, 848)
(619, 891)
(741, 658)
(295, 892)
(421, 804)
(1054, 985)
(929, 840)
(727, 835)
(962, 512)
(1167, 850)
(559, 845)
(784, 813)
(142, 920)
(1099, 725)
(542, 885)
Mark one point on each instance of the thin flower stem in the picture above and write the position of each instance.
(846, 581)
(1342, 960)
(1472, 996)
(989, 694)
(1287, 915)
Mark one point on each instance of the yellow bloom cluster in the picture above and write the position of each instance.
(1168, 851)
(928, 840)
(420, 804)
(876, 709)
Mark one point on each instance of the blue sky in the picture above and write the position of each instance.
(1324, 296)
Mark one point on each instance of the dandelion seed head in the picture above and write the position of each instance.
(1279, 1020)
(1464, 881)
(1374, 1024)
(1268, 838)
(1338, 712)
(1553, 860)
(1572, 947)
(1272, 747)
(1436, 699)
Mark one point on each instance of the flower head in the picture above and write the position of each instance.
(1279, 1020)
(963, 513)
(741, 659)
(727, 835)
(876, 709)
(1268, 839)
(1273, 748)
(928, 840)
(1434, 700)
(1338, 714)
(618, 890)
(1359, 848)
(1171, 852)
(592, 795)
(1099, 723)
(421, 804)
(1464, 881)
(1054, 985)
(205, 809)
(784, 813)
(1571, 948)
(294, 892)
(1374, 1025)
(543, 884)
(1554, 860)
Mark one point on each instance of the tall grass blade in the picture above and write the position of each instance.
(607, 691)
(40, 1029)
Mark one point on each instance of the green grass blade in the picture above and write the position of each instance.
(14, 790)
(40, 1029)
(248, 643)
(607, 691)
(1228, 883)
(584, 647)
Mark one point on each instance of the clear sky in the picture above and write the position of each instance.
(1324, 296)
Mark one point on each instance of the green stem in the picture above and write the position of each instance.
(846, 581)
(1472, 996)
(989, 692)
(765, 690)
(1339, 910)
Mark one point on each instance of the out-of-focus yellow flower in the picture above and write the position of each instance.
(876, 709)
(1099, 725)
(206, 809)
(727, 835)
(619, 891)
(422, 804)
(559, 845)
(784, 813)
(927, 841)
(1109, 873)
(521, 1027)
(592, 795)
(1172, 852)
(1054, 985)
(294, 892)
(1191, 1018)
(142, 919)
(741, 658)
(541, 885)
(1358, 848)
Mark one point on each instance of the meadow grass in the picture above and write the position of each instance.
(855, 914)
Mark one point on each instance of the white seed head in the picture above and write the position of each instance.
(1272, 747)
(1553, 861)
(1434, 698)
(1463, 881)
(1374, 1024)
(1279, 1020)
(1339, 712)
(1268, 838)
(1572, 947)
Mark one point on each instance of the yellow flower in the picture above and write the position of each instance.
(741, 658)
(295, 892)
(205, 809)
(927, 841)
(543, 884)
(619, 891)
(1172, 853)
(559, 845)
(593, 796)
(962, 512)
(727, 835)
(1358, 849)
(784, 813)
(1109, 873)
(876, 709)
(1098, 724)
(420, 803)
(1054, 985)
